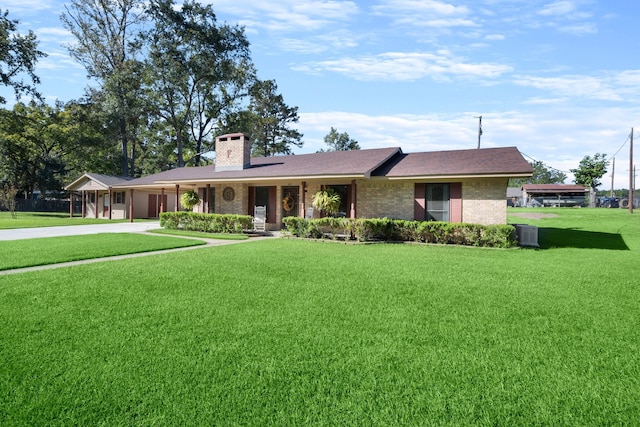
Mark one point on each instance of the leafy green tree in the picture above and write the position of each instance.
(107, 44)
(18, 55)
(33, 144)
(589, 172)
(90, 141)
(267, 121)
(339, 141)
(541, 175)
(199, 70)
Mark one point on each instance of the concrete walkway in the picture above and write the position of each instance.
(72, 230)
(135, 227)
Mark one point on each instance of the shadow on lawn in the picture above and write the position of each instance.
(574, 238)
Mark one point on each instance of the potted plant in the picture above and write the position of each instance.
(189, 199)
(327, 201)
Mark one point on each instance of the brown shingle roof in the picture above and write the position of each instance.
(381, 162)
(358, 163)
(484, 161)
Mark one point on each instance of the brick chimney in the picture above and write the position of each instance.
(233, 152)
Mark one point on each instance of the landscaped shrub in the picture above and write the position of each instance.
(384, 229)
(296, 226)
(211, 223)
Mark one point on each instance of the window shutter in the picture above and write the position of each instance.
(455, 201)
(419, 203)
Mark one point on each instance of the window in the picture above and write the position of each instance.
(343, 192)
(118, 198)
(437, 200)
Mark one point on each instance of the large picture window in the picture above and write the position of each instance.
(437, 202)
(342, 191)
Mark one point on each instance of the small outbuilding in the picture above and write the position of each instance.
(554, 195)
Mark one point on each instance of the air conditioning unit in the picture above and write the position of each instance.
(527, 235)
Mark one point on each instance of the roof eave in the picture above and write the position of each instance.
(456, 176)
(160, 184)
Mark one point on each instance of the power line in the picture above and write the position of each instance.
(540, 161)
(565, 172)
(621, 147)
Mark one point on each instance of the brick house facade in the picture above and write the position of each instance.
(457, 186)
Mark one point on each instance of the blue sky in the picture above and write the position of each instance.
(558, 79)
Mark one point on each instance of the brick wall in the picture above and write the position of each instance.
(233, 152)
(236, 206)
(484, 201)
(385, 199)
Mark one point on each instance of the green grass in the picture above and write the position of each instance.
(289, 332)
(46, 219)
(217, 236)
(53, 250)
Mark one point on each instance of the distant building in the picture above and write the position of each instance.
(555, 195)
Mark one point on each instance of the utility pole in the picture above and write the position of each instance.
(631, 173)
(613, 173)
(479, 129)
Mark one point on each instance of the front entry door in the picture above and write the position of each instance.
(290, 201)
(153, 207)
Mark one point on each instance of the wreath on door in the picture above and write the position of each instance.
(287, 203)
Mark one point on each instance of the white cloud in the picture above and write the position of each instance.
(288, 15)
(406, 67)
(558, 8)
(424, 13)
(418, 7)
(579, 29)
(337, 40)
(27, 7)
(619, 86)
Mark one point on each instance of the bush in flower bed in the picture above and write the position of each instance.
(210, 223)
(384, 229)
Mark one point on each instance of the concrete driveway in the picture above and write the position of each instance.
(71, 230)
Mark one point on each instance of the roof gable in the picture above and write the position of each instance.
(95, 181)
(505, 161)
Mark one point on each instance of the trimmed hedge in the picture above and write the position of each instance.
(384, 229)
(209, 223)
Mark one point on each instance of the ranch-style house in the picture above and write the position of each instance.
(457, 186)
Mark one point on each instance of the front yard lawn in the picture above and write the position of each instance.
(291, 332)
(53, 250)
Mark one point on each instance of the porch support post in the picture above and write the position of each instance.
(84, 203)
(110, 201)
(131, 205)
(95, 206)
(303, 194)
(206, 198)
(352, 213)
(162, 206)
(177, 197)
(70, 204)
